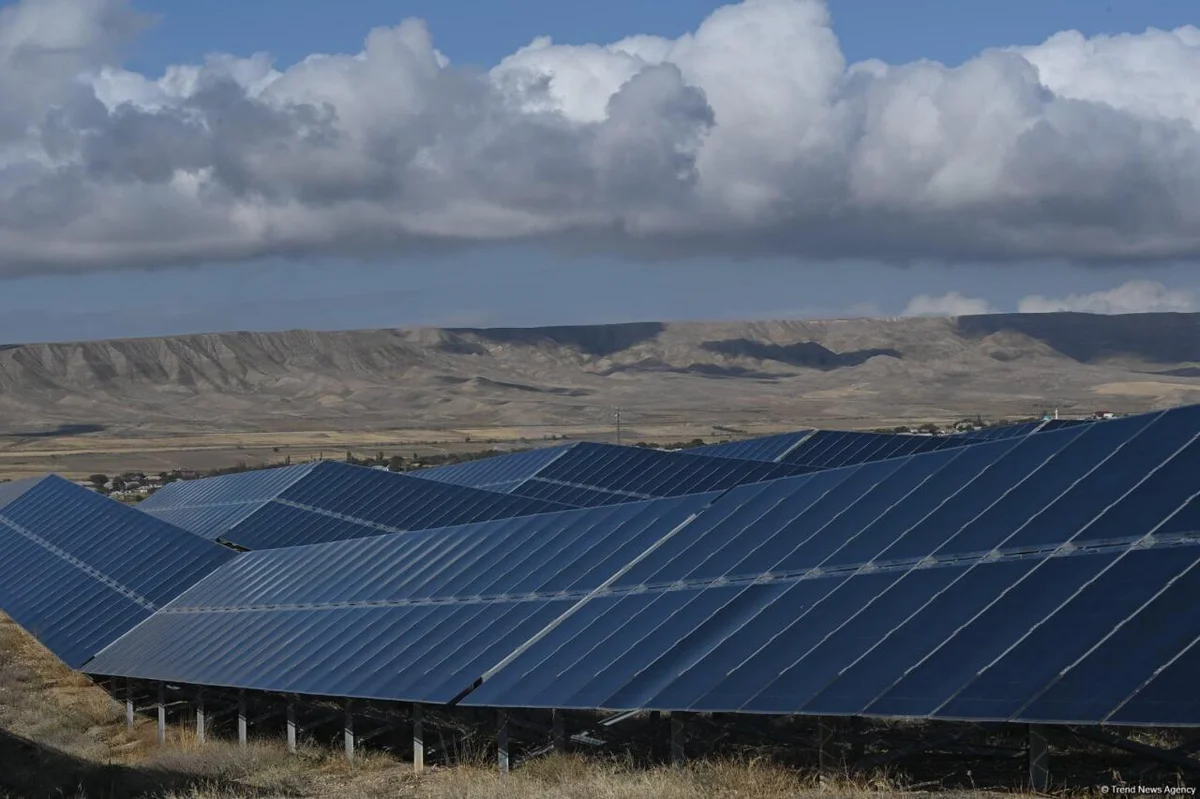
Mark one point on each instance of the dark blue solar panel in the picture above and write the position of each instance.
(766, 448)
(1004, 686)
(330, 501)
(640, 471)
(254, 486)
(210, 521)
(575, 496)
(78, 570)
(494, 471)
(417, 616)
(923, 585)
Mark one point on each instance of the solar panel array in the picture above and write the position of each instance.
(765, 448)
(999, 581)
(412, 617)
(78, 570)
(831, 449)
(326, 501)
(586, 475)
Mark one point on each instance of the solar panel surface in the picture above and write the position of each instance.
(497, 470)
(586, 474)
(993, 582)
(78, 570)
(958, 632)
(417, 616)
(327, 501)
(765, 448)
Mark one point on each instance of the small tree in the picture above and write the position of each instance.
(98, 480)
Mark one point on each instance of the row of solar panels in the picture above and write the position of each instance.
(1047, 578)
(733, 600)
(304, 504)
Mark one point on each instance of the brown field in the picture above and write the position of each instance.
(76, 457)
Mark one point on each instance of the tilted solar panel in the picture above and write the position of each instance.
(328, 501)
(623, 474)
(767, 448)
(78, 570)
(415, 617)
(960, 631)
(494, 471)
(992, 582)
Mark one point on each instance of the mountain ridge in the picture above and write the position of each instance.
(803, 370)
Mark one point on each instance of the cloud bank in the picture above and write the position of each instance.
(1135, 296)
(749, 136)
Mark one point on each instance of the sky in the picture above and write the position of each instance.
(176, 167)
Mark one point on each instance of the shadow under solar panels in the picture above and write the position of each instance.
(78, 570)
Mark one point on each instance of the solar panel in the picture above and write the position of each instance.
(497, 470)
(765, 448)
(883, 636)
(327, 501)
(996, 581)
(77, 570)
(415, 617)
(589, 475)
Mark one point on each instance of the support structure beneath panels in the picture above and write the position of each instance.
(418, 739)
(559, 733)
(162, 714)
(348, 730)
(129, 706)
(678, 729)
(502, 760)
(201, 720)
(824, 743)
(291, 724)
(241, 720)
(1039, 758)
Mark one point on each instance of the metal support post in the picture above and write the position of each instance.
(560, 732)
(824, 740)
(348, 730)
(200, 720)
(162, 714)
(418, 739)
(129, 708)
(243, 732)
(291, 724)
(502, 741)
(656, 735)
(1039, 758)
(856, 738)
(678, 755)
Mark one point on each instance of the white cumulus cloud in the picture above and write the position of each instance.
(750, 135)
(1136, 296)
(950, 304)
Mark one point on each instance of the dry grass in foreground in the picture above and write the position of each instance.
(62, 737)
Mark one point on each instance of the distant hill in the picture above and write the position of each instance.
(735, 371)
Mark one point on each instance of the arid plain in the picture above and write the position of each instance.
(214, 400)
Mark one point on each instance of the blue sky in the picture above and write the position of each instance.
(522, 284)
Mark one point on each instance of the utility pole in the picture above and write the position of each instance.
(617, 416)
